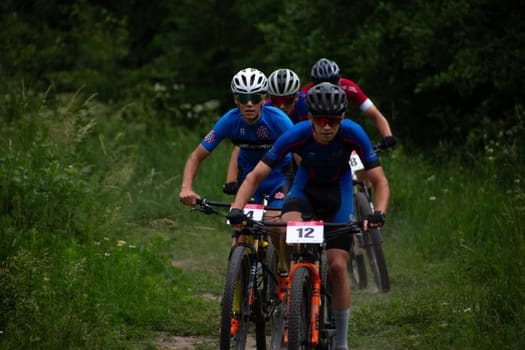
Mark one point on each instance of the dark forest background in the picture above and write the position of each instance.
(443, 72)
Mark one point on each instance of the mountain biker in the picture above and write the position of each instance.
(325, 70)
(251, 126)
(283, 92)
(322, 187)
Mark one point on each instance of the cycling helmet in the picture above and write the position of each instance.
(249, 81)
(283, 82)
(326, 99)
(325, 70)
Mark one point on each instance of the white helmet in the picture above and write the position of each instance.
(249, 81)
(283, 82)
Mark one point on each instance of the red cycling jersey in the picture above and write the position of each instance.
(353, 93)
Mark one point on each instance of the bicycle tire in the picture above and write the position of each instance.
(272, 309)
(373, 245)
(299, 329)
(237, 278)
(356, 266)
(326, 321)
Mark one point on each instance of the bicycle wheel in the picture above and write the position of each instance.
(272, 309)
(299, 329)
(356, 266)
(373, 245)
(235, 308)
(326, 322)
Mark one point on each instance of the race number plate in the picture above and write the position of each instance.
(304, 232)
(355, 162)
(253, 211)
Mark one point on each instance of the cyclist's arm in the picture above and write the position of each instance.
(187, 196)
(381, 188)
(233, 168)
(379, 120)
(250, 184)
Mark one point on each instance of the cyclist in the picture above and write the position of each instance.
(251, 126)
(283, 92)
(325, 70)
(322, 187)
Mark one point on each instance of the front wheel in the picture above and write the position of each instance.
(356, 266)
(235, 308)
(373, 243)
(273, 309)
(299, 329)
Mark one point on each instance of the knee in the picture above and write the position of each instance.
(337, 270)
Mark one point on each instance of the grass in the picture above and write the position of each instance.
(97, 252)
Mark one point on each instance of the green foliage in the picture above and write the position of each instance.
(434, 69)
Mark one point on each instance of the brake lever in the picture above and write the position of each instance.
(206, 209)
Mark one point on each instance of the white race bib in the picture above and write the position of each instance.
(304, 232)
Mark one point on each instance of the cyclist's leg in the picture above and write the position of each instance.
(337, 253)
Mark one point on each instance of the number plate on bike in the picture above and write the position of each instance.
(304, 232)
(355, 162)
(253, 211)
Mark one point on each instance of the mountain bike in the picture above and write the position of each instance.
(308, 317)
(250, 289)
(370, 241)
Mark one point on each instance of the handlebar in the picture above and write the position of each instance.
(205, 202)
(206, 207)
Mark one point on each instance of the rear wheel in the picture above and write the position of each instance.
(373, 244)
(299, 329)
(235, 308)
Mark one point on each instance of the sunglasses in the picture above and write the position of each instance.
(282, 100)
(322, 121)
(244, 98)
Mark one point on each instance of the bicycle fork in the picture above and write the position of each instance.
(315, 301)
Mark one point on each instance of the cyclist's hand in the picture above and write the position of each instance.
(236, 217)
(387, 142)
(188, 197)
(230, 187)
(375, 220)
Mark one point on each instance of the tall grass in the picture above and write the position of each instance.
(79, 190)
(97, 252)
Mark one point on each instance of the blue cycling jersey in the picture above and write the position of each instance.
(325, 165)
(300, 110)
(254, 141)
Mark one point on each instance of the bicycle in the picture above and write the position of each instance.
(308, 317)
(250, 289)
(370, 241)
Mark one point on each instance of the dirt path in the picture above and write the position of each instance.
(167, 341)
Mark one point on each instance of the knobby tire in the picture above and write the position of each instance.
(273, 310)
(374, 245)
(356, 267)
(237, 278)
(326, 322)
(299, 329)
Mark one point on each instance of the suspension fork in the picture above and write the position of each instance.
(315, 301)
